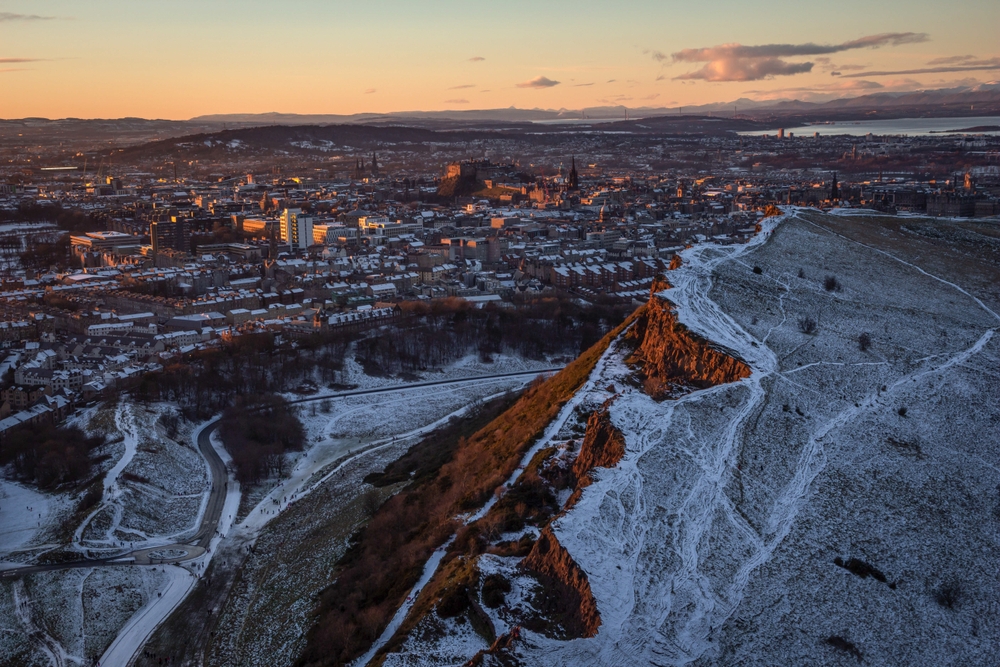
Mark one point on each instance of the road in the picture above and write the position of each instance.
(220, 477)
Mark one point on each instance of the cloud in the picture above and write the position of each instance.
(370, 91)
(464, 85)
(13, 69)
(476, 59)
(456, 101)
(968, 66)
(738, 62)
(538, 82)
(19, 60)
(581, 85)
(660, 78)
(746, 69)
(658, 56)
(951, 60)
(8, 16)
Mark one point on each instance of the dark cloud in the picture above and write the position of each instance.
(538, 82)
(464, 85)
(711, 53)
(581, 85)
(737, 62)
(8, 16)
(968, 66)
(19, 60)
(476, 59)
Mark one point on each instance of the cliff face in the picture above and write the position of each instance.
(603, 447)
(566, 600)
(671, 359)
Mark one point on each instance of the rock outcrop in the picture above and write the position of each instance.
(603, 446)
(671, 359)
(566, 601)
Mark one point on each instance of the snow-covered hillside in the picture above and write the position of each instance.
(840, 504)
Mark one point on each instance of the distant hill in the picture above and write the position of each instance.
(944, 102)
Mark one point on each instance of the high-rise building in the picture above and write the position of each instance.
(296, 228)
(175, 235)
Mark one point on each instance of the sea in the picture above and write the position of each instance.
(914, 127)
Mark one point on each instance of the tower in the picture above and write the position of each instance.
(574, 177)
(374, 165)
(834, 189)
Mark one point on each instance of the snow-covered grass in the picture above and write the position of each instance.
(153, 491)
(70, 616)
(22, 511)
(713, 541)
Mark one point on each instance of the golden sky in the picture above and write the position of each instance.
(179, 59)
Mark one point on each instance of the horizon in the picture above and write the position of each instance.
(184, 60)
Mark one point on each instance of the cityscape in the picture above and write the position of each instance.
(641, 381)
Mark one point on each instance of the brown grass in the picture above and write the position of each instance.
(387, 557)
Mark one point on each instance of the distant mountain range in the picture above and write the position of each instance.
(946, 101)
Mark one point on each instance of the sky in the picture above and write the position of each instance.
(179, 59)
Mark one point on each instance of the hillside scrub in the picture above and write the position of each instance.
(48, 456)
(386, 558)
(258, 433)
(429, 335)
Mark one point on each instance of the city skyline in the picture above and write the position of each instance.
(63, 59)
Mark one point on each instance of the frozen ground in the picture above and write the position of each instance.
(714, 540)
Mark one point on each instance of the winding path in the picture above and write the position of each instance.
(140, 627)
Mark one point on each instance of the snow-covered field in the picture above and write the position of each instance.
(22, 511)
(153, 491)
(69, 617)
(714, 540)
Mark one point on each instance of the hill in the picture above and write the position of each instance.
(734, 486)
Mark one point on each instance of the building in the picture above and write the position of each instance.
(380, 229)
(99, 242)
(333, 234)
(296, 228)
(174, 235)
